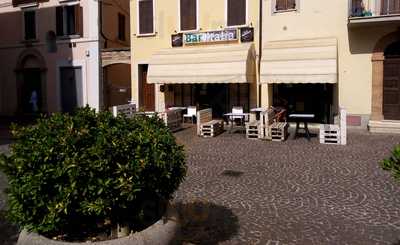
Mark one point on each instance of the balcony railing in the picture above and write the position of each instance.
(365, 8)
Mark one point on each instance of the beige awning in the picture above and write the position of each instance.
(215, 64)
(300, 61)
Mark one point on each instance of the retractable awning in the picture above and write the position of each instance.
(300, 61)
(215, 64)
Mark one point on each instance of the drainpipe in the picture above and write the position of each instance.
(101, 24)
(260, 51)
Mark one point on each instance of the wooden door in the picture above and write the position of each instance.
(391, 89)
(147, 92)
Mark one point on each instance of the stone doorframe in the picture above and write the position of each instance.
(378, 59)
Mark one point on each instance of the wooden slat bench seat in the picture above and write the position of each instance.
(278, 131)
(211, 128)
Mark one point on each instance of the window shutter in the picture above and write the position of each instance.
(30, 25)
(146, 24)
(60, 21)
(281, 5)
(188, 14)
(291, 4)
(236, 12)
(78, 20)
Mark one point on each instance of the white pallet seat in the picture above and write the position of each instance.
(334, 134)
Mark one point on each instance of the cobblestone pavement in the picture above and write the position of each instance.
(243, 191)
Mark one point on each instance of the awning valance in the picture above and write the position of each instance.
(300, 61)
(215, 64)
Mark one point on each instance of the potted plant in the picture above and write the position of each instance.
(89, 176)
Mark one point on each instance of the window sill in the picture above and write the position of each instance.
(237, 26)
(284, 11)
(189, 31)
(147, 35)
(68, 37)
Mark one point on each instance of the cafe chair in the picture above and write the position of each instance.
(191, 113)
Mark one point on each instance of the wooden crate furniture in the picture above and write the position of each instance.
(206, 126)
(278, 131)
(211, 128)
(253, 130)
(267, 118)
(172, 119)
(128, 110)
(334, 134)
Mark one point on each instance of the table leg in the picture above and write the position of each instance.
(297, 129)
(307, 132)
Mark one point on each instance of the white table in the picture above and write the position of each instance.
(302, 118)
(177, 108)
(232, 116)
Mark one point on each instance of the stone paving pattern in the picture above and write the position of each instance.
(293, 192)
(241, 191)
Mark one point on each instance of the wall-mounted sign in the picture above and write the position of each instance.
(177, 40)
(211, 36)
(246, 34)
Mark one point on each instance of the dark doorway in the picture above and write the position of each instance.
(391, 82)
(71, 88)
(31, 97)
(117, 79)
(316, 99)
(146, 91)
(220, 97)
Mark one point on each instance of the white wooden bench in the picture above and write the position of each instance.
(253, 130)
(278, 131)
(128, 110)
(172, 119)
(206, 126)
(334, 134)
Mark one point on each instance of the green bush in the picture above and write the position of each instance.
(392, 163)
(69, 173)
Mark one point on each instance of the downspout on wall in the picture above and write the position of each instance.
(260, 52)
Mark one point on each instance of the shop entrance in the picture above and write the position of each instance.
(316, 99)
(220, 97)
(146, 90)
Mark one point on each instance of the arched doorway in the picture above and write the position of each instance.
(117, 84)
(391, 82)
(31, 86)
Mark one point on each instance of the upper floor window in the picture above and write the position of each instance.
(121, 27)
(188, 15)
(69, 20)
(146, 16)
(30, 25)
(236, 12)
(285, 5)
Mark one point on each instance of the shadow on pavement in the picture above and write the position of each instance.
(206, 223)
(8, 233)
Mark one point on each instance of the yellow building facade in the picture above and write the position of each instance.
(307, 35)
(310, 57)
(214, 63)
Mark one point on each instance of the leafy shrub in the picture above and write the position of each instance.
(69, 173)
(392, 163)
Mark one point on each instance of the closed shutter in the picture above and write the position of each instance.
(188, 14)
(236, 12)
(78, 20)
(291, 4)
(282, 5)
(60, 21)
(146, 24)
(391, 7)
